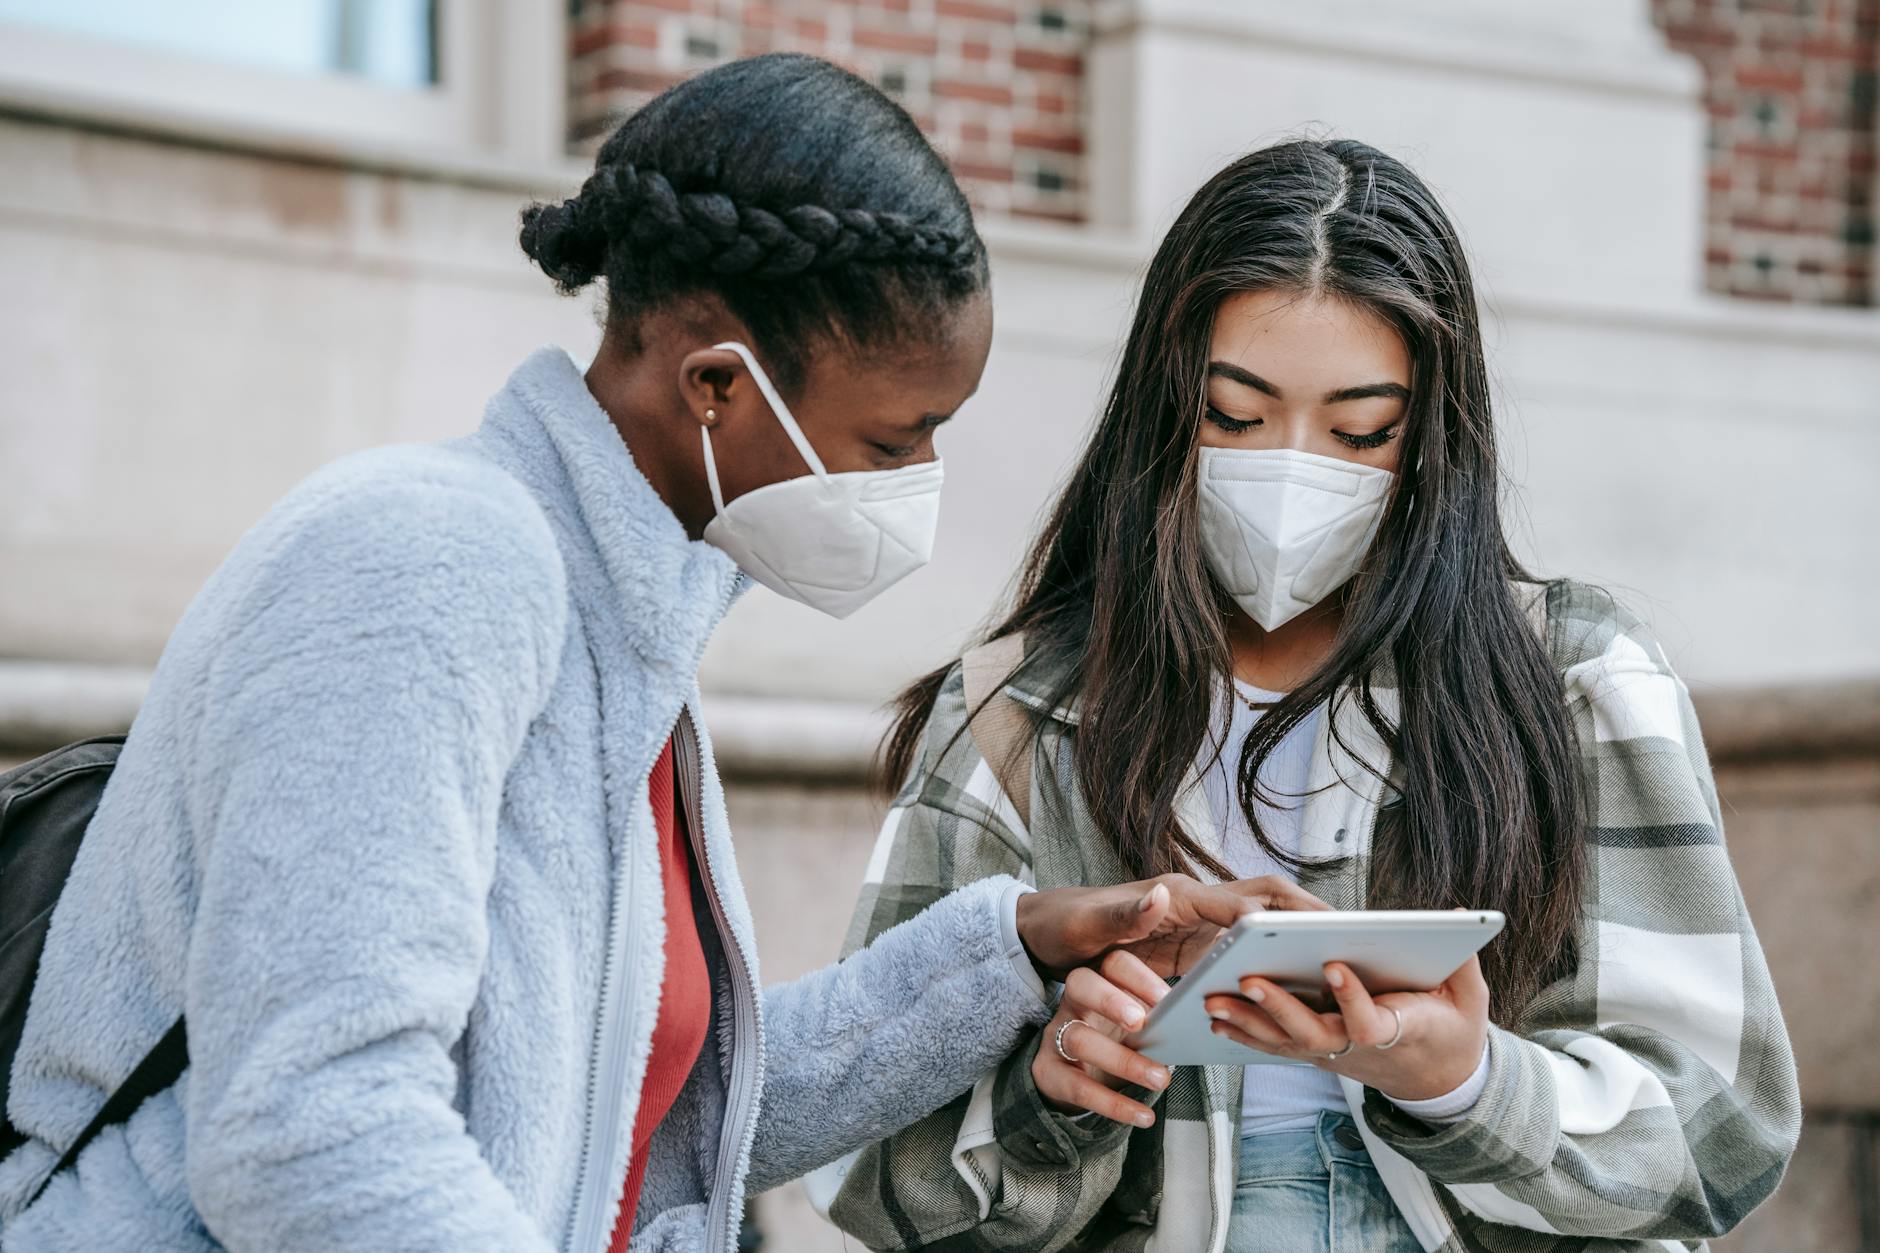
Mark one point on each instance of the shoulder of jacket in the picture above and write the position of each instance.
(949, 715)
(1587, 623)
(442, 521)
(418, 492)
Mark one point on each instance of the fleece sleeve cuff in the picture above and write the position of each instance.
(1015, 947)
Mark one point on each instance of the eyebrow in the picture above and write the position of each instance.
(1228, 370)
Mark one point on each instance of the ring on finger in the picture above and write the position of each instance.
(1057, 1039)
(1396, 1035)
(1332, 1057)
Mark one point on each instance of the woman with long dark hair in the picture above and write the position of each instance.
(418, 830)
(1273, 626)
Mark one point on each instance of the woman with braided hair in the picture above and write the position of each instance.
(418, 829)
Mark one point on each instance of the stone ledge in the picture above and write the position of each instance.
(43, 704)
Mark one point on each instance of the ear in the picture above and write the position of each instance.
(713, 381)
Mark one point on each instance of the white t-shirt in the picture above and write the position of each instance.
(1273, 1097)
(1284, 1097)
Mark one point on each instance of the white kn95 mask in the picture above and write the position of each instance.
(831, 541)
(1282, 530)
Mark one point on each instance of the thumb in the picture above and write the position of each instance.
(1134, 919)
(1469, 989)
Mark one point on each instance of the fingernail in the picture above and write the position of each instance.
(1256, 994)
(1158, 1078)
(1335, 977)
(1132, 1017)
(1144, 1118)
(1220, 1014)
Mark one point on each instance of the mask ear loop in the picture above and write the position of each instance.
(778, 408)
(711, 470)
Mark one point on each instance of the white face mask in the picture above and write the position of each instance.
(832, 541)
(1282, 530)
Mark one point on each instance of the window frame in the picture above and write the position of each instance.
(499, 95)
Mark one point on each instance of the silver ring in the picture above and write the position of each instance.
(1332, 1057)
(1398, 1036)
(1058, 1039)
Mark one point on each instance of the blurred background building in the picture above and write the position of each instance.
(238, 240)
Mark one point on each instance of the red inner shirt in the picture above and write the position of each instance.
(685, 995)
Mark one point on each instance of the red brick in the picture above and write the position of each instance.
(978, 10)
(1050, 141)
(1691, 36)
(647, 81)
(1781, 153)
(1765, 77)
(982, 171)
(898, 41)
(1049, 62)
(990, 93)
(1832, 49)
(1050, 102)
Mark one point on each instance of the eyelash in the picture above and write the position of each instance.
(1376, 439)
(890, 450)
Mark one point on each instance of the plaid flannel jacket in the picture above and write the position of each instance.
(1647, 1101)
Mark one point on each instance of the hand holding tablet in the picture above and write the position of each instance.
(1386, 950)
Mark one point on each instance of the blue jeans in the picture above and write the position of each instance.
(1314, 1192)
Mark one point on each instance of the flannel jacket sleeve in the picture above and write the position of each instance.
(996, 1168)
(1651, 1094)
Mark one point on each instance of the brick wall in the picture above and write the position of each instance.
(998, 84)
(1789, 86)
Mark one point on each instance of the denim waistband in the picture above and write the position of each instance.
(1304, 1154)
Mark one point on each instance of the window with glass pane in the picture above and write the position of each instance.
(390, 42)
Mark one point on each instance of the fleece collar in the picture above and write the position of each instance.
(670, 591)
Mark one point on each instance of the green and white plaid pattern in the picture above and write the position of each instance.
(1648, 1101)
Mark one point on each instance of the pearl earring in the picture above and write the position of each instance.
(711, 417)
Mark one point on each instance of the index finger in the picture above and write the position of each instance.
(1275, 892)
(1220, 903)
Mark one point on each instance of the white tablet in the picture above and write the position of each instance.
(1392, 950)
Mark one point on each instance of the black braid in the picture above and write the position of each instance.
(709, 231)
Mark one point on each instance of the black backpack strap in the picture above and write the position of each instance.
(161, 1067)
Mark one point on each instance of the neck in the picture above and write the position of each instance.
(633, 391)
(1281, 659)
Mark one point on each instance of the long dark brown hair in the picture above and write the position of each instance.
(1116, 591)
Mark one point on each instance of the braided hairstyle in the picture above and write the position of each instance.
(794, 191)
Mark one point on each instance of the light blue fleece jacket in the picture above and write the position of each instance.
(382, 830)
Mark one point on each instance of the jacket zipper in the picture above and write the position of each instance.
(736, 1134)
(595, 1211)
